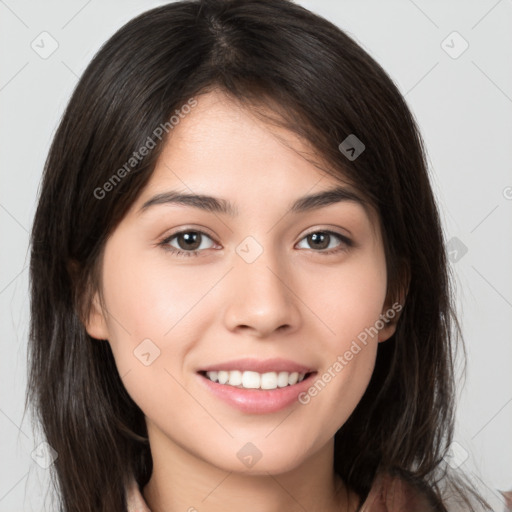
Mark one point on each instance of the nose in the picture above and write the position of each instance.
(261, 299)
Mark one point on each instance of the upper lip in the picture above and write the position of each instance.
(259, 365)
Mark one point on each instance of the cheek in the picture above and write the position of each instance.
(337, 390)
(150, 300)
(348, 298)
(150, 307)
(153, 320)
(349, 304)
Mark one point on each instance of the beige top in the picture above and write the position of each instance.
(388, 494)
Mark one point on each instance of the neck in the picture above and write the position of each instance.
(181, 481)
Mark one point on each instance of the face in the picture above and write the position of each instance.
(262, 295)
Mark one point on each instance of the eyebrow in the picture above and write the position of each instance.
(220, 205)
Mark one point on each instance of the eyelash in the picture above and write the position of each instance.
(181, 253)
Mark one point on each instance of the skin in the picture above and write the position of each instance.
(293, 302)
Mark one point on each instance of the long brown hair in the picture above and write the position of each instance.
(321, 85)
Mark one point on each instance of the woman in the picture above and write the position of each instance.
(302, 358)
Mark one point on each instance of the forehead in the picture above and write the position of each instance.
(222, 149)
(221, 128)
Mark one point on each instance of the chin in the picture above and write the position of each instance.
(250, 460)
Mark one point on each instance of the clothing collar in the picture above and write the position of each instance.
(388, 494)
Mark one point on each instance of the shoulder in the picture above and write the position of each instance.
(400, 493)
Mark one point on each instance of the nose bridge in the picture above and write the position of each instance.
(261, 297)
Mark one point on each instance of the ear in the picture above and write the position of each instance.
(95, 324)
(389, 316)
(392, 309)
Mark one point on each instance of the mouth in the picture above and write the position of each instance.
(252, 392)
(255, 380)
(257, 386)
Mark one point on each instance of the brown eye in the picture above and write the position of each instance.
(187, 243)
(190, 240)
(319, 241)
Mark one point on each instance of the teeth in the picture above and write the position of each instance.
(235, 378)
(254, 380)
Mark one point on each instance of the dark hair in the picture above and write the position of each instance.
(271, 56)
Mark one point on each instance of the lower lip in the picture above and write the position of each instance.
(257, 401)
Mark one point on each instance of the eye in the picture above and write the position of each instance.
(189, 243)
(322, 240)
(192, 242)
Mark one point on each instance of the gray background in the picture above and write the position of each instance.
(463, 104)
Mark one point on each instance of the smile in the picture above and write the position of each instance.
(255, 380)
(257, 386)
